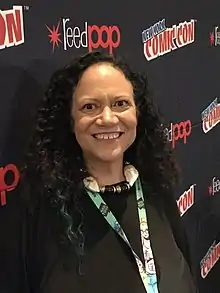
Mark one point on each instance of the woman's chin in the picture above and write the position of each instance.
(110, 156)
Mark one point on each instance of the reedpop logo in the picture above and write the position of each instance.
(177, 131)
(9, 178)
(91, 37)
(214, 186)
(214, 37)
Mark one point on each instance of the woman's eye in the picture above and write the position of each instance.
(121, 103)
(89, 107)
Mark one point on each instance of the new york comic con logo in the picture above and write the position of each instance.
(11, 27)
(210, 259)
(159, 40)
(211, 116)
(186, 200)
(91, 36)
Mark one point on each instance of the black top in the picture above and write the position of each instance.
(108, 266)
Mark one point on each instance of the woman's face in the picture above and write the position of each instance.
(104, 113)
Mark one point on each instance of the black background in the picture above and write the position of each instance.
(184, 82)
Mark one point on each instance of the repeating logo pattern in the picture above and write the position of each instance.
(210, 259)
(211, 116)
(159, 40)
(90, 36)
(9, 178)
(178, 131)
(214, 37)
(11, 27)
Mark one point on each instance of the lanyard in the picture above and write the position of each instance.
(147, 271)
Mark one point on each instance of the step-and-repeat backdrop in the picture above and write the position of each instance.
(175, 42)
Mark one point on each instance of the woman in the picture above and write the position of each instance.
(100, 175)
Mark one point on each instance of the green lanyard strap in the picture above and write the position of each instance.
(147, 272)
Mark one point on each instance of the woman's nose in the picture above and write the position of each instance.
(108, 117)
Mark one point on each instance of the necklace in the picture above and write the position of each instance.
(116, 188)
(131, 175)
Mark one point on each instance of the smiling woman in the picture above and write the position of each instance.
(104, 120)
(99, 177)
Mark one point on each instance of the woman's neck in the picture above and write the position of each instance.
(106, 173)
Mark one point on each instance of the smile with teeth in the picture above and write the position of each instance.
(105, 136)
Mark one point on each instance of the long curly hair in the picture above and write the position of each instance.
(54, 163)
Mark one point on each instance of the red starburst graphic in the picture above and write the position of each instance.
(210, 190)
(212, 38)
(54, 35)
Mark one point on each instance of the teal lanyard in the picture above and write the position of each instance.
(147, 271)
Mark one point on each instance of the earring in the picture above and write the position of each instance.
(80, 162)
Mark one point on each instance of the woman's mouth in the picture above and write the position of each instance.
(107, 136)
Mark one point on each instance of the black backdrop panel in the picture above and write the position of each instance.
(180, 52)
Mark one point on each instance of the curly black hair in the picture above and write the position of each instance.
(55, 158)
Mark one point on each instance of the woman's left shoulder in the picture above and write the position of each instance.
(164, 203)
